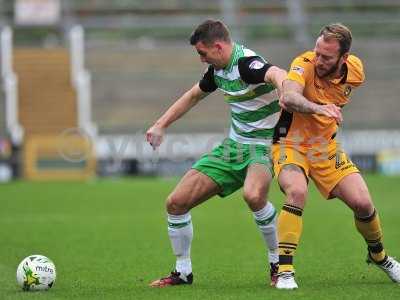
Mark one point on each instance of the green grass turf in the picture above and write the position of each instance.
(108, 240)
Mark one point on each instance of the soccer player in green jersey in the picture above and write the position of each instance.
(251, 87)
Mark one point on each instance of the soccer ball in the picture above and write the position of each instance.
(36, 273)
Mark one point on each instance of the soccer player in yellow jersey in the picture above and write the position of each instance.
(318, 84)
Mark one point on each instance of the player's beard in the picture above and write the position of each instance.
(330, 71)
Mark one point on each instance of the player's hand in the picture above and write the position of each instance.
(332, 111)
(282, 103)
(154, 136)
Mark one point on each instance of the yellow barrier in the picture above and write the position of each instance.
(58, 158)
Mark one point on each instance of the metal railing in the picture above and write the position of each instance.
(10, 84)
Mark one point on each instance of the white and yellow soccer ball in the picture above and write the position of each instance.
(36, 273)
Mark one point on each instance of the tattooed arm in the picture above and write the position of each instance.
(293, 100)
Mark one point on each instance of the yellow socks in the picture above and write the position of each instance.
(370, 229)
(290, 226)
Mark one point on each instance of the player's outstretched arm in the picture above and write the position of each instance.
(155, 133)
(293, 100)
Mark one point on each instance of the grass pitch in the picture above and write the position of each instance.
(108, 240)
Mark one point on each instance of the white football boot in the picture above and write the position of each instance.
(390, 266)
(286, 281)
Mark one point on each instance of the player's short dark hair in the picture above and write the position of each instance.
(210, 31)
(339, 32)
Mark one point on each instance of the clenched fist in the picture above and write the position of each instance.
(154, 136)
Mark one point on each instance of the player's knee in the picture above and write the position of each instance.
(363, 206)
(255, 198)
(176, 205)
(361, 202)
(297, 195)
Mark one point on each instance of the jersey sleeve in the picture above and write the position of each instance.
(355, 71)
(300, 70)
(252, 69)
(207, 83)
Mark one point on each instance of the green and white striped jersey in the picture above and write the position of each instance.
(254, 104)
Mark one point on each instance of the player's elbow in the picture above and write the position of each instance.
(282, 74)
(276, 75)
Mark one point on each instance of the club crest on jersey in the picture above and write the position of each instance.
(298, 70)
(256, 65)
(347, 90)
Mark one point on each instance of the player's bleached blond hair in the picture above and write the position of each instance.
(339, 32)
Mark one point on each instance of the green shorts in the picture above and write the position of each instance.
(227, 163)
